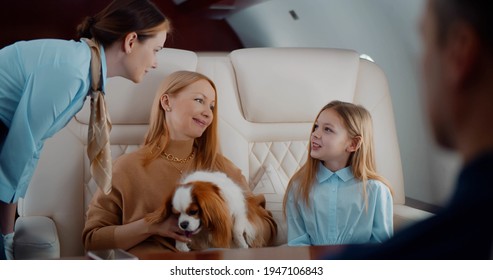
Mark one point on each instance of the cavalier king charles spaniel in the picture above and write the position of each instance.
(213, 212)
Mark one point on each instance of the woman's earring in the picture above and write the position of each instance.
(168, 109)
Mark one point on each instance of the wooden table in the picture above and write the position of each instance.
(267, 253)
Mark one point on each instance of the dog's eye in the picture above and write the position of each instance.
(193, 212)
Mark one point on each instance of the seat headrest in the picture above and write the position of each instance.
(284, 85)
(130, 103)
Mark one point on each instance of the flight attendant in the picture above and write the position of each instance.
(44, 83)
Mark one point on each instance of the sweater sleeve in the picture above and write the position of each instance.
(103, 215)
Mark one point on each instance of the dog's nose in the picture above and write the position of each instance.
(184, 225)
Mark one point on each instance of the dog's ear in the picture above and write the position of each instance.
(215, 213)
(160, 214)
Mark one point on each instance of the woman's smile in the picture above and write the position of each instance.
(200, 122)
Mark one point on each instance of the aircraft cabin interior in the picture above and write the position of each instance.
(275, 63)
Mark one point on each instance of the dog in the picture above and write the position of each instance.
(213, 212)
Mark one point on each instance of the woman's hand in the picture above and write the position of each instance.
(129, 235)
(169, 228)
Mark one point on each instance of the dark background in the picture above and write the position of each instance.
(198, 25)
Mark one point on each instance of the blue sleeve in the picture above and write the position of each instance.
(297, 235)
(48, 92)
(383, 226)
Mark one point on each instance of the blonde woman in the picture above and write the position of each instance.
(182, 137)
(337, 197)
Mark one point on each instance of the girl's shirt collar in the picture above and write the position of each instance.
(324, 174)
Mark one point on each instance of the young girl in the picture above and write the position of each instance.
(337, 197)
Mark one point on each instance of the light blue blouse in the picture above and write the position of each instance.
(43, 84)
(337, 214)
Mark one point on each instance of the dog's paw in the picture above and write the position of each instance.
(241, 243)
(250, 235)
(182, 247)
(239, 240)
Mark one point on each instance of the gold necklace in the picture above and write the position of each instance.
(171, 158)
(176, 167)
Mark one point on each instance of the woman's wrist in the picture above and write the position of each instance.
(150, 228)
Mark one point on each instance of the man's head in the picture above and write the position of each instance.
(457, 53)
(477, 13)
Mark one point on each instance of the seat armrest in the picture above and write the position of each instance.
(405, 216)
(36, 238)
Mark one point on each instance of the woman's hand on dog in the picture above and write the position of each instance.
(169, 228)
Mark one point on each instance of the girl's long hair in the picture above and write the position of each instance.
(157, 136)
(357, 120)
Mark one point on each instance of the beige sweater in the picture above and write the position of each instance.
(139, 190)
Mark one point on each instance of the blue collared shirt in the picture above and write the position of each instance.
(43, 84)
(337, 215)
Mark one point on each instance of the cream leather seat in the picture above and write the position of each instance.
(267, 101)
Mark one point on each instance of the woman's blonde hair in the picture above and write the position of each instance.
(358, 123)
(157, 137)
